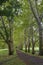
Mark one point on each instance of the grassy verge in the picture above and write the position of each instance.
(9, 60)
(36, 55)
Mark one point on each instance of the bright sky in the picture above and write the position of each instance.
(39, 2)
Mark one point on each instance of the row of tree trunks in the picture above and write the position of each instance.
(33, 6)
(26, 41)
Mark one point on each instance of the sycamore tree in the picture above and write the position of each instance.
(8, 10)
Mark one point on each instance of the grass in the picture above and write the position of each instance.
(5, 59)
(36, 55)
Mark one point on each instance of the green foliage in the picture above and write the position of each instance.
(3, 1)
(10, 8)
(25, 19)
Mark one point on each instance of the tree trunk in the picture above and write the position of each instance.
(40, 41)
(33, 44)
(29, 47)
(11, 47)
(29, 39)
(10, 39)
(34, 9)
(25, 39)
(25, 47)
(33, 52)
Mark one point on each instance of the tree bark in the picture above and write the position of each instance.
(11, 47)
(40, 41)
(10, 39)
(25, 40)
(28, 46)
(33, 44)
(33, 52)
(25, 47)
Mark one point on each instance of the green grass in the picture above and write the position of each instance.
(10, 60)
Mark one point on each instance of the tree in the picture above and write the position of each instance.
(8, 10)
(39, 21)
(28, 43)
(25, 39)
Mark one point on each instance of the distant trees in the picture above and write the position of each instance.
(25, 39)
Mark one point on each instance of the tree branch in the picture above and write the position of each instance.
(6, 33)
(34, 10)
(2, 36)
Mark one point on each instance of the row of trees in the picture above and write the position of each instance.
(26, 16)
(38, 18)
(33, 5)
(8, 10)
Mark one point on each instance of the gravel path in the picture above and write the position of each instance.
(30, 60)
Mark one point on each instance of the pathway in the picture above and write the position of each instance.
(30, 59)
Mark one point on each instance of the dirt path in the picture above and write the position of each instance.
(30, 60)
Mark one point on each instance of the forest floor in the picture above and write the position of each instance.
(9, 60)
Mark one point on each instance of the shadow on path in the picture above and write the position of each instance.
(29, 59)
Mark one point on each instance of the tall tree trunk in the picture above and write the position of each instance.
(25, 40)
(25, 47)
(29, 46)
(40, 41)
(29, 31)
(33, 52)
(33, 44)
(10, 39)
